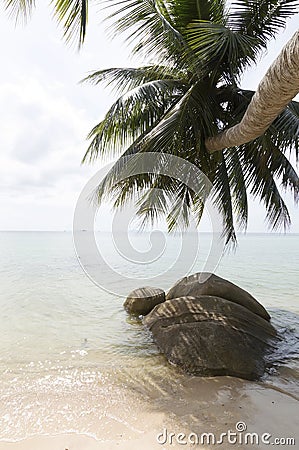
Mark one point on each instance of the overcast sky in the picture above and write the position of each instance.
(45, 116)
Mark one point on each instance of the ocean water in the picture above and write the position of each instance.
(68, 350)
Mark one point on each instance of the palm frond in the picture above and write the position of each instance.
(126, 79)
(165, 197)
(20, 10)
(133, 114)
(143, 21)
(156, 196)
(273, 158)
(286, 129)
(238, 187)
(152, 205)
(223, 200)
(183, 13)
(181, 131)
(119, 181)
(225, 53)
(263, 185)
(73, 14)
(180, 210)
(261, 19)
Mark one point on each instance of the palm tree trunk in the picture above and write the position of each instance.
(278, 87)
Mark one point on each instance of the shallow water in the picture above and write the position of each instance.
(69, 351)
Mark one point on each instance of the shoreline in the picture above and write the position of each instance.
(211, 405)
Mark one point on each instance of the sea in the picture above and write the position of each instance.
(69, 351)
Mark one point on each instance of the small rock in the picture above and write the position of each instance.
(141, 301)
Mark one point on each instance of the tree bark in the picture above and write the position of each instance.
(278, 87)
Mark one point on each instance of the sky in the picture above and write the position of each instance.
(45, 115)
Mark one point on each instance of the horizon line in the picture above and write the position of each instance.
(149, 231)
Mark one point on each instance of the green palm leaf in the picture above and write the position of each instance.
(238, 187)
(183, 13)
(286, 129)
(261, 19)
(146, 22)
(223, 200)
(263, 185)
(73, 14)
(134, 113)
(124, 79)
(19, 9)
(225, 52)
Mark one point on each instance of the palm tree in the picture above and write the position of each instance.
(278, 87)
(189, 91)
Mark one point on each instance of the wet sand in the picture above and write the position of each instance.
(195, 405)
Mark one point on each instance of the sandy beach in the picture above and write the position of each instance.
(211, 405)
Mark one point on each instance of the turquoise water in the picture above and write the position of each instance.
(65, 341)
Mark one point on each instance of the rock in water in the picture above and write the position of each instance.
(210, 284)
(141, 301)
(211, 336)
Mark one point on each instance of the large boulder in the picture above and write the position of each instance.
(141, 301)
(211, 336)
(210, 284)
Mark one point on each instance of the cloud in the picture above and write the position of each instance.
(45, 114)
(42, 135)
